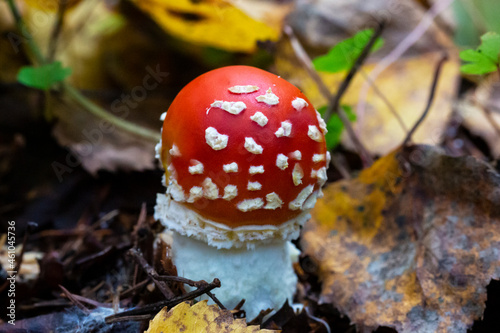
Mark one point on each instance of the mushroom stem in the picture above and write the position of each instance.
(263, 276)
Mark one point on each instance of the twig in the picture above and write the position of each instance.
(134, 288)
(216, 300)
(113, 319)
(304, 58)
(21, 26)
(31, 227)
(108, 249)
(384, 99)
(165, 290)
(338, 162)
(307, 63)
(56, 30)
(91, 301)
(152, 309)
(74, 300)
(335, 102)
(435, 79)
(402, 47)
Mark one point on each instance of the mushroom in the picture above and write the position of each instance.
(245, 158)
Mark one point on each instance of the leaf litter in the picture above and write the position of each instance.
(411, 243)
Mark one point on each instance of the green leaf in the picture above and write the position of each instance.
(335, 126)
(343, 55)
(485, 59)
(43, 77)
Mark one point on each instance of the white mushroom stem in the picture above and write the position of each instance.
(263, 276)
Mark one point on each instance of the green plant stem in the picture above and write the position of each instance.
(97, 111)
(75, 94)
(21, 26)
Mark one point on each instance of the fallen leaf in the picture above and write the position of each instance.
(199, 318)
(405, 84)
(411, 243)
(218, 23)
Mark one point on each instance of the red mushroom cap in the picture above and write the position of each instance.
(243, 147)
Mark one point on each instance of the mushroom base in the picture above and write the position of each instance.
(263, 276)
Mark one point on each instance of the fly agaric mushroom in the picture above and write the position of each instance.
(245, 158)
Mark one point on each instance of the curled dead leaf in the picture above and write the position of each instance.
(411, 243)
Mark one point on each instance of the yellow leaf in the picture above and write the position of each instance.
(216, 23)
(199, 318)
(411, 243)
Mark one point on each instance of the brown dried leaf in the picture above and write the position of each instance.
(411, 243)
(199, 318)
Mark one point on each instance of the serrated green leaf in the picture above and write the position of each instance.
(343, 55)
(485, 59)
(335, 126)
(43, 77)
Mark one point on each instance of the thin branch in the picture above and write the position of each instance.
(23, 29)
(414, 36)
(307, 63)
(384, 99)
(335, 102)
(152, 309)
(74, 300)
(162, 286)
(435, 80)
(133, 289)
(56, 30)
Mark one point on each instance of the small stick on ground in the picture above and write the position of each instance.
(149, 311)
(435, 79)
(75, 301)
(196, 284)
(162, 286)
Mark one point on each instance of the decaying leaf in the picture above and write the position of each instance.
(218, 23)
(411, 243)
(199, 318)
(405, 83)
